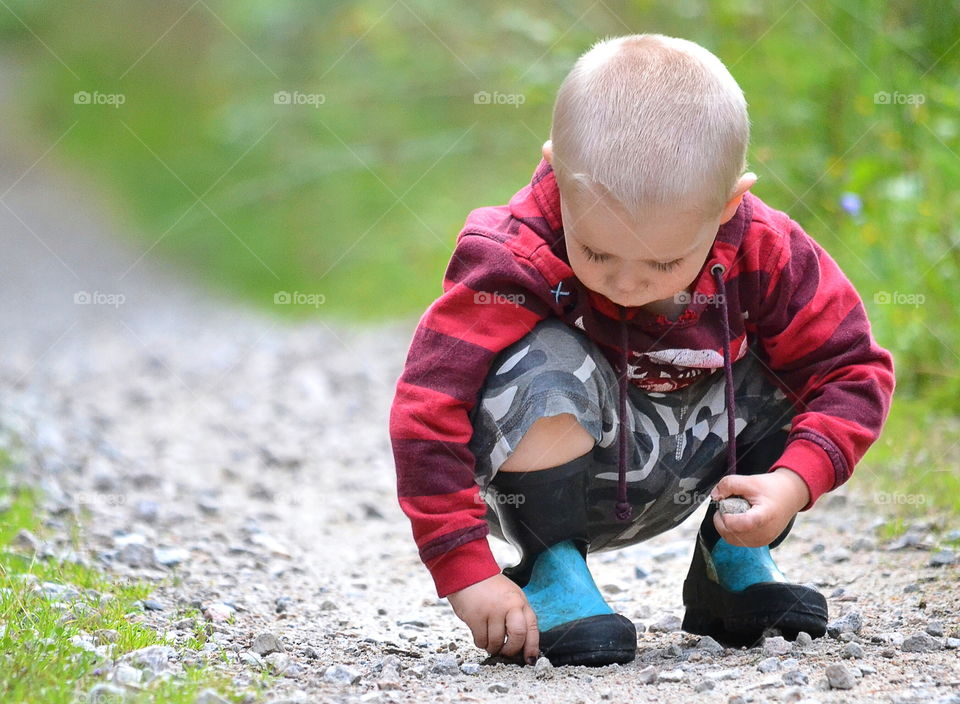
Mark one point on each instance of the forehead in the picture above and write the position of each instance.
(656, 233)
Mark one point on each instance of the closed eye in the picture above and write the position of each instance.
(593, 256)
(668, 266)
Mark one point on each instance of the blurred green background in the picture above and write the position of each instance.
(357, 192)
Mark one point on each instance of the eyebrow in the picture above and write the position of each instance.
(647, 261)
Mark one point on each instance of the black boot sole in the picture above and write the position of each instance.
(740, 618)
(594, 641)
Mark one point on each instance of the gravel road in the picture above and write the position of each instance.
(243, 464)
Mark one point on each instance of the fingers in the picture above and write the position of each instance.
(479, 630)
(495, 633)
(735, 485)
(531, 649)
(516, 624)
(751, 529)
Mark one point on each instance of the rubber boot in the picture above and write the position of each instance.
(735, 594)
(543, 514)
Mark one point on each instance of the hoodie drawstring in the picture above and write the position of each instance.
(624, 510)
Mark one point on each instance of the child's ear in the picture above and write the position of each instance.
(743, 185)
(548, 151)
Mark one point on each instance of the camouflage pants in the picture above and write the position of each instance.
(677, 440)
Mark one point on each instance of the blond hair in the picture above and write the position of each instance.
(652, 121)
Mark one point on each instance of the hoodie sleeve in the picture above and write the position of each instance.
(814, 330)
(492, 298)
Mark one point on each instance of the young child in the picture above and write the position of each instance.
(634, 332)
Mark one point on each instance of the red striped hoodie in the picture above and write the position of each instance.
(509, 270)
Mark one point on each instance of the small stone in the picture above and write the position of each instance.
(341, 674)
(445, 665)
(920, 643)
(709, 645)
(803, 640)
(543, 669)
(704, 686)
(251, 659)
(27, 541)
(127, 675)
(282, 604)
(851, 650)
(836, 556)
(647, 675)
(665, 624)
(498, 688)
(677, 675)
(733, 505)
(328, 605)
(104, 636)
(910, 588)
(266, 643)
(471, 668)
(136, 555)
(777, 645)
(208, 696)
(952, 643)
(219, 613)
(277, 662)
(612, 588)
(767, 665)
(795, 677)
(934, 628)
(850, 622)
(146, 510)
(839, 677)
(942, 558)
(863, 544)
(169, 557)
(155, 658)
(640, 573)
(152, 605)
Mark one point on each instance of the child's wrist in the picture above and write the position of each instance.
(800, 493)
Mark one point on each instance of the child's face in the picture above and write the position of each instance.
(634, 262)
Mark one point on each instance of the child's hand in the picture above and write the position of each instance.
(775, 497)
(494, 608)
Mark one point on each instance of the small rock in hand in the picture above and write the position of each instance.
(733, 504)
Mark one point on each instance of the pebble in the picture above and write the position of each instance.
(146, 510)
(127, 675)
(837, 556)
(850, 622)
(920, 643)
(647, 675)
(341, 674)
(543, 669)
(803, 640)
(152, 605)
(278, 662)
(136, 555)
(942, 558)
(776, 645)
(667, 623)
(208, 696)
(935, 628)
(704, 686)
(677, 675)
(155, 658)
(445, 665)
(839, 677)
(851, 650)
(767, 665)
(795, 677)
(219, 612)
(709, 645)
(169, 557)
(498, 688)
(472, 668)
(733, 505)
(266, 643)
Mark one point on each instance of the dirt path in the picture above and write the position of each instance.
(252, 457)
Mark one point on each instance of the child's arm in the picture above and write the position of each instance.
(817, 343)
(492, 298)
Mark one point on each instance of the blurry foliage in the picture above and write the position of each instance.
(361, 197)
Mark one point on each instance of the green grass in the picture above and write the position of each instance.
(38, 661)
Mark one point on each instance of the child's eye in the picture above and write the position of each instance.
(669, 265)
(593, 256)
